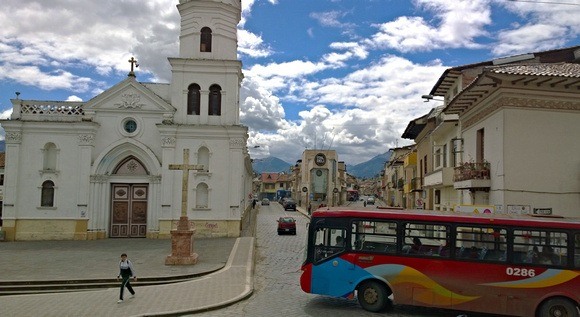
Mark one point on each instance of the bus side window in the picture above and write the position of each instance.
(540, 247)
(577, 250)
(481, 243)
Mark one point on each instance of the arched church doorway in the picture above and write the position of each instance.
(129, 201)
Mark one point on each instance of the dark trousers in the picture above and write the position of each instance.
(126, 284)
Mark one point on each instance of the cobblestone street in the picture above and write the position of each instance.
(277, 288)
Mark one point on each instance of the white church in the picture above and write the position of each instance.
(100, 169)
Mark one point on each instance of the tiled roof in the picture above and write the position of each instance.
(2, 159)
(571, 70)
(269, 177)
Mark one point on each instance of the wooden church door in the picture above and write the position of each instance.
(129, 211)
(129, 201)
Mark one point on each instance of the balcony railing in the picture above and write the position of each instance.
(469, 171)
(400, 184)
(48, 110)
(416, 184)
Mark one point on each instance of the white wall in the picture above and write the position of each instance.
(534, 156)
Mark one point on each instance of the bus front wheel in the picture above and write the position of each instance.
(373, 296)
(558, 307)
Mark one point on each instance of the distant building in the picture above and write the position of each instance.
(394, 177)
(320, 179)
(275, 186)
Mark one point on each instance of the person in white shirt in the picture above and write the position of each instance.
(126, 271)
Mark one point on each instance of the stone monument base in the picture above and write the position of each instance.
(182, 244)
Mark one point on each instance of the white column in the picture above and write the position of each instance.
(167, 178)
(13, 139)
(85, 142)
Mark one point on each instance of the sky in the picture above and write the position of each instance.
(345, 75)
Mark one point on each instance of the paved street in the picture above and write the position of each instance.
(276, 279)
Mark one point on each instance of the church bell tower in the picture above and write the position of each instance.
(206, 76)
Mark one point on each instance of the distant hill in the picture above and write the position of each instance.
(270, 165)
(370, 168)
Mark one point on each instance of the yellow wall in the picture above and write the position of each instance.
(410, 159)
(203, 228)
(75, 229)
(46, 229)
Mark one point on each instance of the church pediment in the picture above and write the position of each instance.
(128, 95)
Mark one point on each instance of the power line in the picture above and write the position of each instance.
(546, 2)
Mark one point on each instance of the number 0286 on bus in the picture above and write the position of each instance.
(489, 263)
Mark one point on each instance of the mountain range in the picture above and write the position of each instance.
(371, 168)
(368, 169)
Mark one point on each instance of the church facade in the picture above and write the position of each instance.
(100, 168)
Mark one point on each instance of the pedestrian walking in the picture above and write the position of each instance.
(126, 271)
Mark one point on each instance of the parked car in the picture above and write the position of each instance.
(370, 201)
(286, 225)
(289, 204)
(265, 202)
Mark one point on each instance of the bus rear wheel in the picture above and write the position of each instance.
(558, 307)
(373, 296)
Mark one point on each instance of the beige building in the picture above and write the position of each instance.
(319, 178)
(509, 129)
(394, 177)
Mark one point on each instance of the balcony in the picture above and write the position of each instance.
(400, 184)
(416, 184)
(439, 178)
(472, 176)
(410, 160)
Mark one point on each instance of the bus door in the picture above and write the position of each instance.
(330, 273)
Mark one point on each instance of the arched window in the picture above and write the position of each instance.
(205, 43)
(130, 166)
(47, 194)
(193, 99)
(201, 196)
(203, 158)
(215, 100)
(49, 162)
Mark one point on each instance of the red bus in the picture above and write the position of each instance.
(352, 195)
(488, 263)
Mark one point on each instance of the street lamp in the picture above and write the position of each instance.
(305, 190)
(430, 97)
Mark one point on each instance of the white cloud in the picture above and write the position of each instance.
(74, 98)
(365, 111)
(529, 38)
(252, 45)
(34, 76)
(71, 35)
(456, 24)
(548, 26)
(259, 109)
(6, 114)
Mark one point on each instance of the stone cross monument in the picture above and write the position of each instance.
(182, 237)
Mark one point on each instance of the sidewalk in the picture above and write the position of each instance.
(77, 260)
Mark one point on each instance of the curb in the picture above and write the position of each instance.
(249, 283)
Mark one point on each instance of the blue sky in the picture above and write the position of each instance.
(328, 74)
